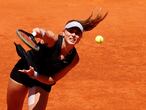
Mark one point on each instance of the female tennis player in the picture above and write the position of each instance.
(57, 56)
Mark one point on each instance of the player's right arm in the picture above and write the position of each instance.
(47, 37)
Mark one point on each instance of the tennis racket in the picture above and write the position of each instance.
(28, 39)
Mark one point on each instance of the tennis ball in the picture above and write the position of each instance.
(99, 39)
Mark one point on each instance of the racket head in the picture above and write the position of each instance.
(28, 39)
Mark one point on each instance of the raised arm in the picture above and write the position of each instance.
(47, 37)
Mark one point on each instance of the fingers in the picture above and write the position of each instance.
(38, 32)
(52, 81)
(33, 71)
(31, 68)
(29, 72)
(23, 71)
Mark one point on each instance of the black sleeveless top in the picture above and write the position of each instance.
(47, 60)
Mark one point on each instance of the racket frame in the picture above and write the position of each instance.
(30, 36)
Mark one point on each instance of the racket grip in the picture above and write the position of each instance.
(34, 33)
(42, 33)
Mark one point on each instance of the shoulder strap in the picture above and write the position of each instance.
(57, 47)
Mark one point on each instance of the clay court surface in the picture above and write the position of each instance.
(110, 76)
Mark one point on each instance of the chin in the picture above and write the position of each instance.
(71, 43)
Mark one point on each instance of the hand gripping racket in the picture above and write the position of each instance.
(28, 39)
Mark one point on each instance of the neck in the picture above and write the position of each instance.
(66, 47)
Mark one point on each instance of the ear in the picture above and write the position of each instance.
(63, 33)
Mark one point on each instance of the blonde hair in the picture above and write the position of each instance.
(89, 23)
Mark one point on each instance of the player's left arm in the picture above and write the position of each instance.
(63, 72)
(34, 75)
(51, 80)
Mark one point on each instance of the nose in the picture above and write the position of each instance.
(73, 34)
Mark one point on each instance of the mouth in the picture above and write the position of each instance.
(72, 39)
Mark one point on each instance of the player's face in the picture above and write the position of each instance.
(72, 35)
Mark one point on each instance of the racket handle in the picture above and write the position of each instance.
(34, 33)
(42, 33)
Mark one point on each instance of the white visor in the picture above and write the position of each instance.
(74, 24)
